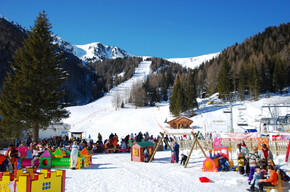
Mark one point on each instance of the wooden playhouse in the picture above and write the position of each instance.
(137, 150)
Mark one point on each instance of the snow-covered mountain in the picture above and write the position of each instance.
(93, 51)
(97, 51)
(20, 27)
(193, 62)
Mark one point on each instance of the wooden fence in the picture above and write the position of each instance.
(276, 147)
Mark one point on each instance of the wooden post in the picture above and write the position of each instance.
(168, 144)
(276, 147)
(160, 140)
(186, 162)
(195, 142)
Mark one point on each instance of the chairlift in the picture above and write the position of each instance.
(242, 108)
(242, 122)
(227, 110)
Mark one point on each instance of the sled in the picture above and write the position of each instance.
(204, 179)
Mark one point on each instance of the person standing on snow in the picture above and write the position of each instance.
(146, 155)
(74, 155)
(265, 154)
(176, 152)
(253, 160)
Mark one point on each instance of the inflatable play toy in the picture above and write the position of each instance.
(211, 163)
(59, 153)
(27, 162)
(87, 156)
(47, 160)
(32, 181)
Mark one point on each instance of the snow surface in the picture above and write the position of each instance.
(193, 62)
(116, 172)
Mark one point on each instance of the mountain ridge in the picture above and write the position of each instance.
(92, 52)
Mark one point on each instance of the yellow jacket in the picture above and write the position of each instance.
(241, 162)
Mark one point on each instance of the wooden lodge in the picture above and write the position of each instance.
(180, 122)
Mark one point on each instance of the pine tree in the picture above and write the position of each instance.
(191, 92)
(181, 99)
(253, 82)
(279, 81)
(30, 97)
(169, 77)
(242, 82)
(174, 104)
(224, 81)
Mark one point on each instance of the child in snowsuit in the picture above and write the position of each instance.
(241, 161)
(224, 165)
(172, 158)
(253, 159)
(183, 159)
(146, 155)
(258, 175)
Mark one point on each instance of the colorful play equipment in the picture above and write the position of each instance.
(27, 162)
(211, 163)
(287, 153)
(33, 181)
(57, 159)
(87, 156)
(59, 153)
(48, 160)
(137, 150)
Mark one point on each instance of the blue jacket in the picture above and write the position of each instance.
(176, 147)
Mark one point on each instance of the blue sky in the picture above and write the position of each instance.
(160, 28)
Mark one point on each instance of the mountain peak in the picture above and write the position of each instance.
(97, 51)
(94, 51)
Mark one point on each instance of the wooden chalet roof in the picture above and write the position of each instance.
(179, 118)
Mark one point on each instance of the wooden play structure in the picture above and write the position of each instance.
(195, 142)
(137, 150)
(180, 122)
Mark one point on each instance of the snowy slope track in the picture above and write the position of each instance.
(100, 116)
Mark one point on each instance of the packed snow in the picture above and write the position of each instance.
(193, 62)
(116, 172)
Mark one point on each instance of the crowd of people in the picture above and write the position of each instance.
(258, 165)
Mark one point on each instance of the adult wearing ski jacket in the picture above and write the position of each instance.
(265, 154)
(176, 152)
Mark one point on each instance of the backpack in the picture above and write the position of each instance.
(284, 176)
